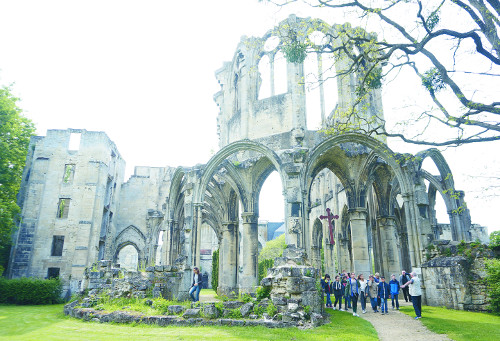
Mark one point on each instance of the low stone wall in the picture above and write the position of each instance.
(205, 315)
(157, 281)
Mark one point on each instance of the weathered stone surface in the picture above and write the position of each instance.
(176, 309)
(210, 311)
(233, 304)
(190, 313)
(246, 309)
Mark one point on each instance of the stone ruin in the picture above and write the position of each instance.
(293, 287)
(77, 208)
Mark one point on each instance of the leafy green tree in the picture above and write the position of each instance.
(273, 248)
(452, 46)
(215, 270)
(15, 133)
(495, 240)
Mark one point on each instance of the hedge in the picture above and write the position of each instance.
(30, 291)
(215, 270)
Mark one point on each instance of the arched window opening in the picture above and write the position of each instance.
(159, 249)
(128, 258)
(280, 74)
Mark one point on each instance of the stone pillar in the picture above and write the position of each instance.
(411, 225)
(250, 252)
(228, 258)
(198, 217)
(390, 252)
(329, 260)
(359, 239)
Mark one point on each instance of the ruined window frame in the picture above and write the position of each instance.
(53, 272)
(57, 246)
(63, 208)
(69, 173)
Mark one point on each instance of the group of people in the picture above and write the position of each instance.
(375, 290)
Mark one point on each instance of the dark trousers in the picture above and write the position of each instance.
(395, 298)
(338, 298)
(373, 301)
(362, 299)
(354, 299)
(417, 305)
(406, 293)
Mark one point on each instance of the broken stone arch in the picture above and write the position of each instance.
(130, 236)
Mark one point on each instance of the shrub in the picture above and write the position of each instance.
(263, 292)
(215, 270)
(263, 266)
(273, 248)
(495, 240)
(493, 280)
(30, 291)
(271, 309)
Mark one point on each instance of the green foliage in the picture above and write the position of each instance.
(15, 133)
(30, 291)
(246, 298)
(264, 265)
(433, 81)
(271, 309)
(495, 240)
(273, 248)
(263, 292)
(259, 310)
(215, 270)
(493, 280)
(235, 313)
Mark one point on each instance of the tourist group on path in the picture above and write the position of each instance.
(376, 290)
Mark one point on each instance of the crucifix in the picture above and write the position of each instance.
(330, 216)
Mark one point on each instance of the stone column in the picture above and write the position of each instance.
(198, 217)
(390, 252)
(228, 258)
(359, 239)
(250, 251)
(411, 222)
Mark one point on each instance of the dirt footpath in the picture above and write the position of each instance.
(399, 326)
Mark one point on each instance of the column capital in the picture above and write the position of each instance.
(384, 219)
(249, 217)
(358, 213)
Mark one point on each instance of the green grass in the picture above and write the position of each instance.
(48, 323)
(457, 324)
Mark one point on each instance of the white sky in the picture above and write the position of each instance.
(143, 72)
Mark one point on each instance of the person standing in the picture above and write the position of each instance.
(194, 291)
(394, 284)
(363, 292)
(402, 281)
(338, 293)
(384, 292)
(373, 292)
(328, 291)
(352, 290)
(344, 291)
(415, 293)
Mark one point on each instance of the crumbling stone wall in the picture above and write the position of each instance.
(158, 281)
(294, 286)
(456, 281)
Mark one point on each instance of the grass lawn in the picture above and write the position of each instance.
(48, 323)
(457, 324)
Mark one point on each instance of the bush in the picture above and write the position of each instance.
(264, 265)
(30, 291)
(495, 240)
(215, 270)
(273, 248)
(493, 280)
(263, 292)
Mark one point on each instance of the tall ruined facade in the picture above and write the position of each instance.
(384, 200)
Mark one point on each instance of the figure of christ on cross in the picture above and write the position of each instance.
(330, 216)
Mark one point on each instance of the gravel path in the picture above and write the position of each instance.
(398, 326)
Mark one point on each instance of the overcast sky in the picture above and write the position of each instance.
(143, 72)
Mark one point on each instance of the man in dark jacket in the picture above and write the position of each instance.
(402, 281)
(338, 291)
(384, 292)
